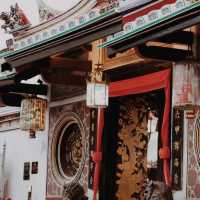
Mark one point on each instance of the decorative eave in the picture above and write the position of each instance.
(83, 7)
(155, 21)
(96, 28)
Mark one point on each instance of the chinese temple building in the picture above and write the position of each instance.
(101, 102)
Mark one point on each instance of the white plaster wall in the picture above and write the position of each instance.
(19, 149)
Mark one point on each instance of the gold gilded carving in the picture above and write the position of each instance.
(177, 146)
(120, 59)
(132, 149)
(176, 162)
(177, 129)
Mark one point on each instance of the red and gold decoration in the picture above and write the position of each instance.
(132, 148)
(32, 115)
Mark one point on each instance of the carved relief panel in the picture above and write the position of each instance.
(127, 145)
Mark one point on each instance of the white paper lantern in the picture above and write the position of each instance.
(97, 94)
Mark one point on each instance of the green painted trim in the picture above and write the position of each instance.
(126, 35)
(102, 16)
(3, 54)
(6, 77)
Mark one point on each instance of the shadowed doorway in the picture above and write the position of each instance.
(125, 143)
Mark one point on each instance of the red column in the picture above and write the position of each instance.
(97, 156)
(164, 152)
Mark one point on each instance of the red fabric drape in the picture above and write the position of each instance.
(146, 83)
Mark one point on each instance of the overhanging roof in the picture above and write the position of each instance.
(101, 26)
(184, 17)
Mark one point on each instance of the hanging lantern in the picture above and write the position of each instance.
(97, 90)
(32, 115)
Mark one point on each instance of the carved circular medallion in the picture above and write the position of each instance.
(197, 138)
(68, 149)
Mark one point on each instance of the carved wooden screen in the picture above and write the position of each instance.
(125, 147)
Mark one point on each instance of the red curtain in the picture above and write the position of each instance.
(141, 84)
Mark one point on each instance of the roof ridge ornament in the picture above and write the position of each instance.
(15, 20)
(46, 12)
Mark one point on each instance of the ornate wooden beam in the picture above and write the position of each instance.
(56, 70)
(153, 34)
(164, 53)
(58, 77)
(70, 64)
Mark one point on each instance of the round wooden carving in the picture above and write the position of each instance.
(68, 149)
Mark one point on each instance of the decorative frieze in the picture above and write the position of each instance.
(152, 18)
(65, 27)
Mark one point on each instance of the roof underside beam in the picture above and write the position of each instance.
(65, 43)
(157, 33)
